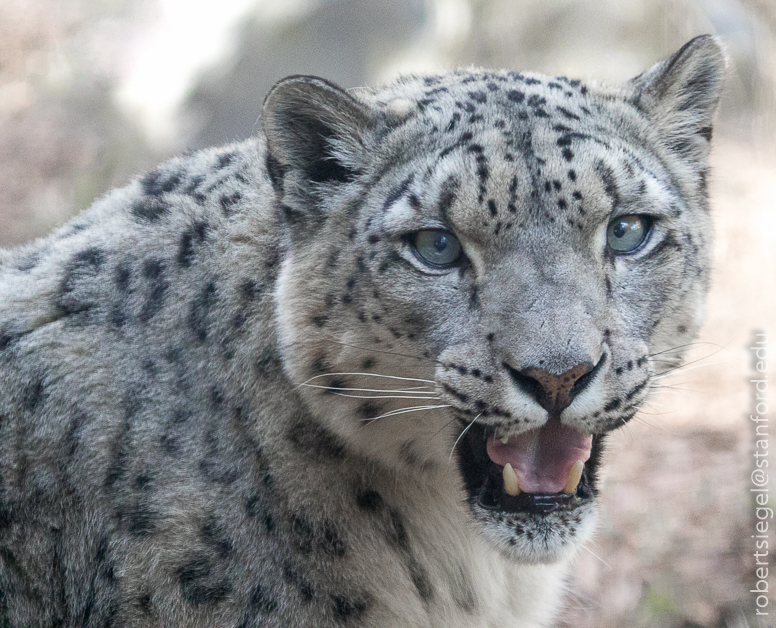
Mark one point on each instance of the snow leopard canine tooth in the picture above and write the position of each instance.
(574, 477)
(510, 481)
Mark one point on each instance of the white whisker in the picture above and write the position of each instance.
(688, 368)
(597, 556)
(460, 436)
(384, 397)
(403, 411)
(408, 391)
(408, 379)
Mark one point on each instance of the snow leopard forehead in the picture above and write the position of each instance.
(520, 149)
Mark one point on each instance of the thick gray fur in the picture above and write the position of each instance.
(166, 458)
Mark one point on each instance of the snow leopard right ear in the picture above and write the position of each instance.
(680, 95)
(315, 134)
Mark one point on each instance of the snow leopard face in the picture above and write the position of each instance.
(485, 272)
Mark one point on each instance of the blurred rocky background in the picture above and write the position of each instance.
(93, 91)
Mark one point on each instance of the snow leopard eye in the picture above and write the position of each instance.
(626, 233)
(437, 247)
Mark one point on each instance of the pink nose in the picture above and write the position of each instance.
(553, 392)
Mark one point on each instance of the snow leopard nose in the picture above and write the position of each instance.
(553, 392)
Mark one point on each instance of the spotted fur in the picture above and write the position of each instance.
(187, 432)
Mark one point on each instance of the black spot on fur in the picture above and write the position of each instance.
(226, 159)
(200, 308)
(397, 192)
(536, 101)
(138, 518)
(27, 262)
(462, 589)
(293, 575)
(397, 533)
(347, 608)
(516, 95)
(474, 299)
(156, 182)
(122, 276)
(255, 507)
(369, 410)
(369, 500)
(248, 290)
(228, 201)
(150, 209)
(316, 441)
(144, 603)
(447, 196)
(567, 113)
(192, 236)
(153, 271)
(421, 580)
(197, 584)
(34, 394)
(608, 179)
(330, 541)
(216, 538)
(263, 600)
(80, 270)
(636, 390)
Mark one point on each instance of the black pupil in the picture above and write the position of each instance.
(619, 229)
(440, 243)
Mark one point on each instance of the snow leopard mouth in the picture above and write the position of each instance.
(548, 469)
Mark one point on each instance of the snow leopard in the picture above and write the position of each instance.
(359, 369)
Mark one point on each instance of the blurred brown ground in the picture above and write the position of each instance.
(674, 546)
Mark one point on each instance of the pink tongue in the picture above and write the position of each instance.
(542, 458)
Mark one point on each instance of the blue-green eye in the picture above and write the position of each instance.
(627, 233)
(437, 247)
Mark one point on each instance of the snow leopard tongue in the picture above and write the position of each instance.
(542, 458)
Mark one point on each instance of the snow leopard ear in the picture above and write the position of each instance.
(315, 133)
(681, 93)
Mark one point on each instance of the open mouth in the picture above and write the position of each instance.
(544, 470)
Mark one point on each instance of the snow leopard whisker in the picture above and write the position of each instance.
(403, 411)
(385, 397)
(658, 423)
(407, 379)
(684, 365)
(407, 391)
(687, 368)
(460, 436)
(441, 429)
(587, 549)
(685, 346)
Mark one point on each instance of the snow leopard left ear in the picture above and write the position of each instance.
(315, 133)
(680, 95)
